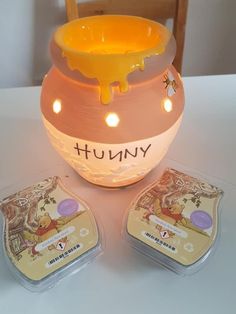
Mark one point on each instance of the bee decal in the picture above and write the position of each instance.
(170, 84)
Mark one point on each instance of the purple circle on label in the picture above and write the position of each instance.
(67, 207)
(201, 219)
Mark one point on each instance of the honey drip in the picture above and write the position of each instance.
(108, 60)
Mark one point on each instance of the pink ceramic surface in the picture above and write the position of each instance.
(121, 155)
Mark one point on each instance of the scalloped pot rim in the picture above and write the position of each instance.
(109, 48)
(61, 32)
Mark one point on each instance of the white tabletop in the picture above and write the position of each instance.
(122, 280)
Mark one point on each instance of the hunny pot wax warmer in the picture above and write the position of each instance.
(112, 103)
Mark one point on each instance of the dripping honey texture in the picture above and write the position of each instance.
(108, 48)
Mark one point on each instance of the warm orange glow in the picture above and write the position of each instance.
(56, 106)
(168, 106)
(108, 47)
(112, 119)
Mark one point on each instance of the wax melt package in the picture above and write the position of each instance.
(174, 221)
(49, 232)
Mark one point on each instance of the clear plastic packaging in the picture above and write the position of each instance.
(175, 220)
(49, 232)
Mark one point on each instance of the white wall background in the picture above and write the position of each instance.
(210, 42)
(26, 26)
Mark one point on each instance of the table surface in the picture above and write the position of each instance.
(122, 280)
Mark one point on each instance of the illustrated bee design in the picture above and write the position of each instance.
(170, 84)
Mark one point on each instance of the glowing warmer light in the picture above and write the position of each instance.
(97, 58)
(56, 106)
(112, 119)
(168, 106)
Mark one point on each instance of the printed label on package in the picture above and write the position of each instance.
(176, 216)
(46, 227)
